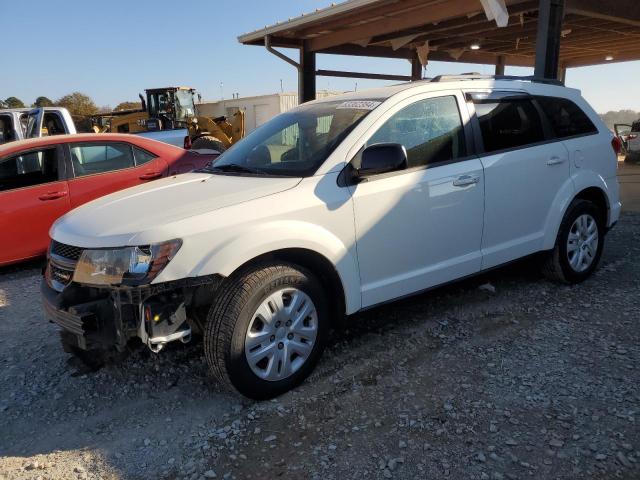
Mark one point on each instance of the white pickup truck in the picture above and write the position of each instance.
(21, 123)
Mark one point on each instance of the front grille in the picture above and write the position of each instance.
(62, 264)
(60, 275)
(66, 251)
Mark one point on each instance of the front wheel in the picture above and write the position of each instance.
(579, 243)
(267, 329)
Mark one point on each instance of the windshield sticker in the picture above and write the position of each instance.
(359, 105)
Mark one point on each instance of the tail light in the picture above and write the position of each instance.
(616, 144)
(632, 136)
(187, 143)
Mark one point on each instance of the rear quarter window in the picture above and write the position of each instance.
(509, 123)
(566, 118)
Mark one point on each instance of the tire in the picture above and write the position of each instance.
(557, 265)
(235, 312)
(208, 142)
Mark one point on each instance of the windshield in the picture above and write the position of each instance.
(297, 142)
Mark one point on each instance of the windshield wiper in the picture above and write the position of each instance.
(233, 167)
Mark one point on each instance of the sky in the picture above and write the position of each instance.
(113, 50)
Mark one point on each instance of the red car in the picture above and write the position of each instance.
(43, 178)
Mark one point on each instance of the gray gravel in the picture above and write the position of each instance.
(504, 376)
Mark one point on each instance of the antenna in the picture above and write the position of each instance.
(221, 91)
(281, 89)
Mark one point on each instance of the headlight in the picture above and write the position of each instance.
(127, 265)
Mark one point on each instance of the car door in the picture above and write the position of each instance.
(35, 119)
(33, 194)
(622, 132)
(422, 226)
(104, 167)
(523, 169)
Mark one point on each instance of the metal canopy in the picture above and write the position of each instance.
(572, 33)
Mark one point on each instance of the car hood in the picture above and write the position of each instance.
(117, 219)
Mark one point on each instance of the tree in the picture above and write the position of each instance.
(13, 102)
(128, 106)
(42, 102)
(78, 104)
(621, 116)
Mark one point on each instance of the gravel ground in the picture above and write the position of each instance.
(503, 376)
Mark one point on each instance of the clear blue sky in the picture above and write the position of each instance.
(114, 49)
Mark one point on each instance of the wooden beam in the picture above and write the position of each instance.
(599, 60)
(371, 11)
(419, 16)
(370, 76)
(619, 11)
(458, 26)
(369, 51)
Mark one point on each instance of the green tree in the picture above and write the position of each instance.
(13, 102)
(81, 107)
(128, 106)
(78, 104)
(42, 102)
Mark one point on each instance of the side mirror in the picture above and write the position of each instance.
(382, 158)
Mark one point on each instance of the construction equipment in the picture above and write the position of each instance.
(173, 108)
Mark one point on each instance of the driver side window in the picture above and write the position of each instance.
(431, 131)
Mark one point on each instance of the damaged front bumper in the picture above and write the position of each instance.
(104, 318)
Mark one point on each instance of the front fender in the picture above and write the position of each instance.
(259, 240)
(578, 182)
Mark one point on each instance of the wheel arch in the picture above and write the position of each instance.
(316, 263)
(586, 187)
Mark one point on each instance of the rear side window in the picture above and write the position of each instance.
(142, 156)
(6, 129)
(566, 118)
(29, 169)
(89, 159)
(509, 123)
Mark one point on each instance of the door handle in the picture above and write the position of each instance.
(150, 175)
(52, 195)
(465, 180)
(555, 161)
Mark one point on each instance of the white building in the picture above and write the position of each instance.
(258, 109)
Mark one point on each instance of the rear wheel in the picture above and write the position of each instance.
(579, 244)
(267, 330)
(208, 143)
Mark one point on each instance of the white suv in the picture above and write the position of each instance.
(336, 206)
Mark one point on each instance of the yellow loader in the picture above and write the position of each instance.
(173, 108)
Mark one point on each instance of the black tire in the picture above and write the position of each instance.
(556, 266)
(208, 142)
(229, 318)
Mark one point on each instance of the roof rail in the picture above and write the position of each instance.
(477, 76)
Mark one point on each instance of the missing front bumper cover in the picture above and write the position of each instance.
(105, 318)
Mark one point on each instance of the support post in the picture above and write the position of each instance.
(416, 68)
(500, 63)
(307, 75)
(550, 15)
(563, 75)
